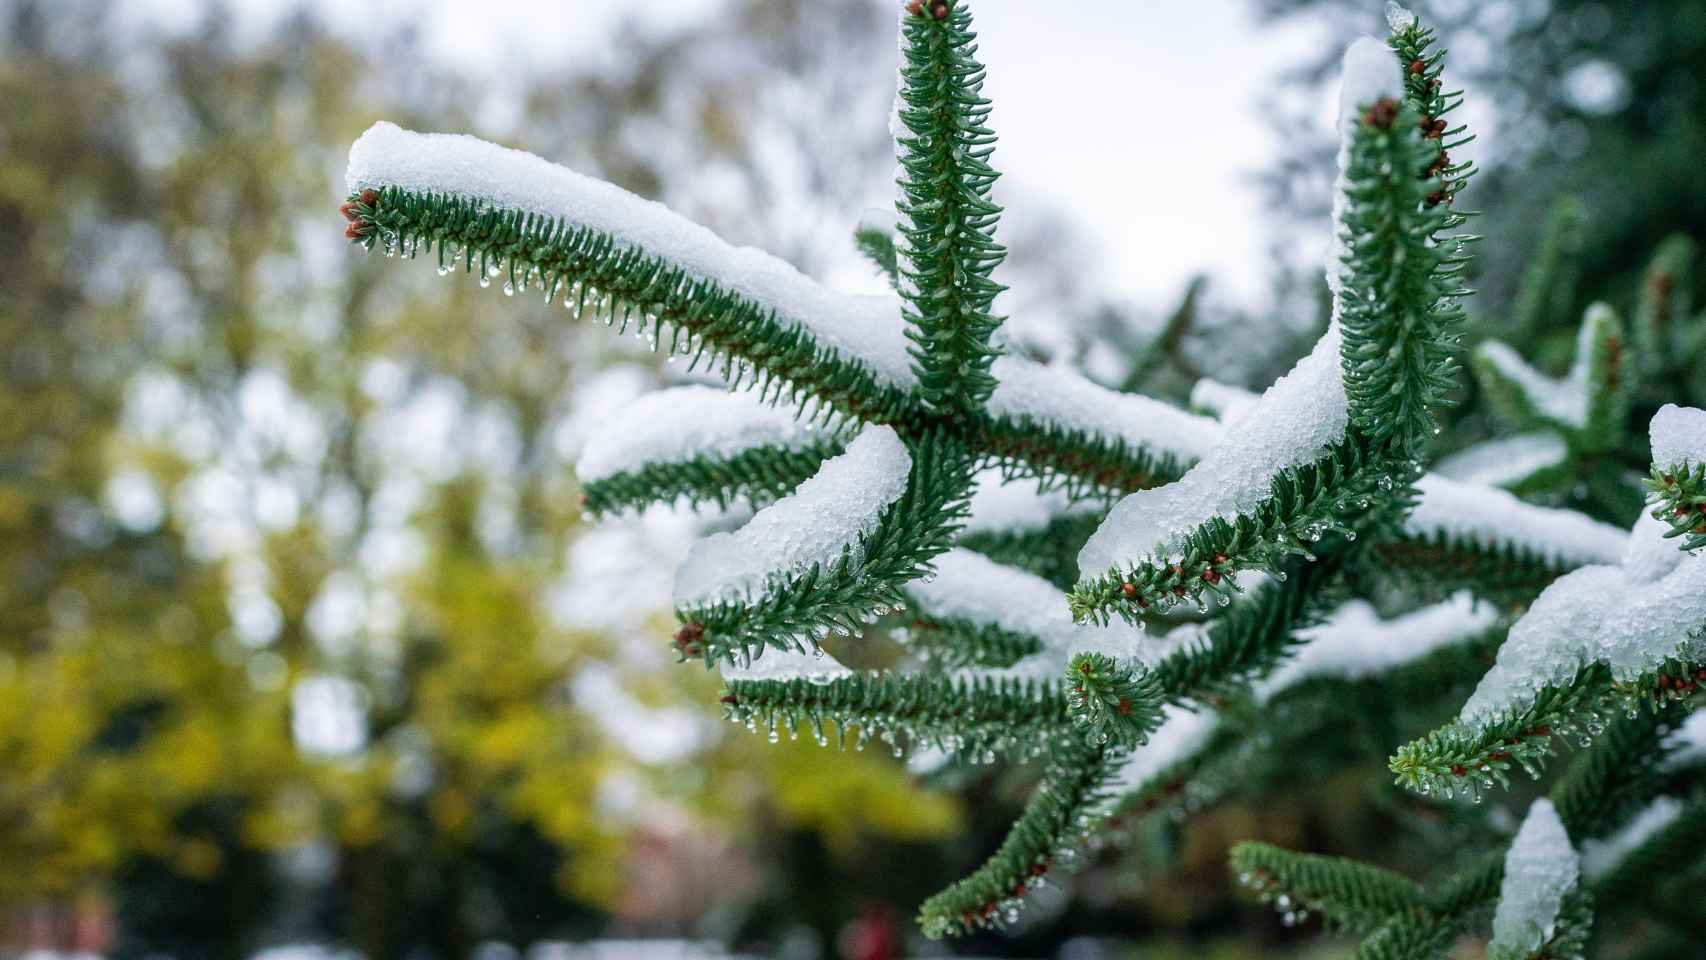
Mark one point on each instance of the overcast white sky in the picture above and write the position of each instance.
(1137, 119)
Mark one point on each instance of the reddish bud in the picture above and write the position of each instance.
(1458, 770)
(1418, 67)
(1381, 115)
(1129, 589)
(370, 197)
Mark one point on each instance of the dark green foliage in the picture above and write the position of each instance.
(1437, 565)
(1117, 703)
(627, 286)
(1466, 760)
(1397, 304)
(1353, 896)
(1606, 374)
(878, 247)
(1084, 464)
(1549, 284)
(975, 716)
(957, 642)
(1255, 634)
(1064, 806)
(1329, 495)
(917, 528)
(760, 475)
(1662, 307)
(1679, 499)
(946, 217)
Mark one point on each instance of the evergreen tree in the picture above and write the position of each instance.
(1145, 600)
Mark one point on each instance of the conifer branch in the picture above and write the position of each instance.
(1398, 300)
(947, 221)
(1589, 407)
(597, 273)
(1662, 305)
(1678, 492)
(860, 585)
(1354, 896)
(1064, 806)
(979, 715)
(959, 642)
(876, 242)
(1118, 703)
(758, 474)
(1438, 564)
(1549, 281)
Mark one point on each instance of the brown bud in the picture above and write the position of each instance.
(347, 209)
(1381, 115)
(939, 11)
(370, 197)
(1418, 67)
(916, 8)
(1129, 589)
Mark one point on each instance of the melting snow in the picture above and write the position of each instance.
(1539, 869)
(687, 423)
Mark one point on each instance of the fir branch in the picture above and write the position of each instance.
(958, 642)
(1425, 93)
(1662, 304)
(1253, 636)
(1549, 281)
(1050, 551)
(1438, 564)
(1678, 492)
(946, 218)
(1604, 785)
(758, 475)
(1355, 897)
(1065, 804)
(1468, 759)
(1654, 859)
(1084, 463)
(876, 242)
(980, 715)
(861, 584)
(627, 286)
(1330, 495)
(1589, 407)
(1397, 303)
(1117, 703)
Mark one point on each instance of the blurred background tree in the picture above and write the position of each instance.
(301, 637)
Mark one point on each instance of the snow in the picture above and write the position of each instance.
(1399, 17)
(867, 329)
(883, 220)
(769, 663)
(1055, 395)
(688, 423)
(810, 527)
(1225, 401)
(1294, 422)
(1690, 740)
(970, 586)
(1600, 857)
(1489, 515)
(1017, 506)
(1506, 460)
(1630, 615)
(1355, 642)
(1540, 868)
(1181, 732)
(1678, 435)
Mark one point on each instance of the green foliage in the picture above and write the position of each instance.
(760, 474)
(1325, 529)
(1398, 302)
(1120, 704)
(1679, 499)
(1356, 897)
(946, 217)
